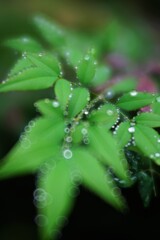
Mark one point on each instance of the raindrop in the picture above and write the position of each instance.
(41, 220)
(131, 129)
(133, 93)
(67, 130)
(86, 57)
(55, 104)
(109, 112)
(84, 131)
(157, 155)
(39, 195)
(67, 154)
(86, 140)
(69, 139)
(85, 112)
(109, 94)
(158, 99)
(32, 123)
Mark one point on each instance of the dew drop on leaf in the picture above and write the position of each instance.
(131, 129)
(41, 220)
(133, 93)
(55, 104)
(109, 112)
(84, 131)
(69, 139)
(67, 154)
(158, 99)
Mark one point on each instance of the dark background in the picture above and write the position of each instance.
(91, 218)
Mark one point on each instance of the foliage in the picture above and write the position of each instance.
(100, 140)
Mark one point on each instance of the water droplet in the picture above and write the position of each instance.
(55, 104)
(133, 93)
(25, 142)
(32, 124)
(158, 99)
(86, 57)
(131, 129)
(84, 131)
(109, 94)
(69, 139)
(67, 154)
(39, 194)
(67, 130)
(86, 140)
(41, 220)
(109, 112)
(85, 112)
(157, 155)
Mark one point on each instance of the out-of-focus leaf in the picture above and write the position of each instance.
(86, 69)
(59, 190)
(146, 186)
(24, 44)
(94, 176)
(45, 62)
(38, 144)
(102, 75)
(125, 85)
(29, 79)
(148, 119)
(78, 101)
(51, 32)
(62, 92)
(122, 134)
(107, 150)
(21, 65)
(49, 108)
(148, 141)
(135, 100)
(106, 115)
(156, 107)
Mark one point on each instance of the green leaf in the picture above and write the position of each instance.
(51, 32)
(58, 188)
(21, 65)
(146, 186)
(37, 145)
(45, 62)
(106, 115)
(62, 92)
(107, 150)
(125, 85)
(122, 135)
(135, 100)
(29, 79)
(49, 108)
(148, 119)
(148, 141)
(156, 107)
(86, 69)
(94, 176)
(102, 75)
(78, 101)
(24, 44)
